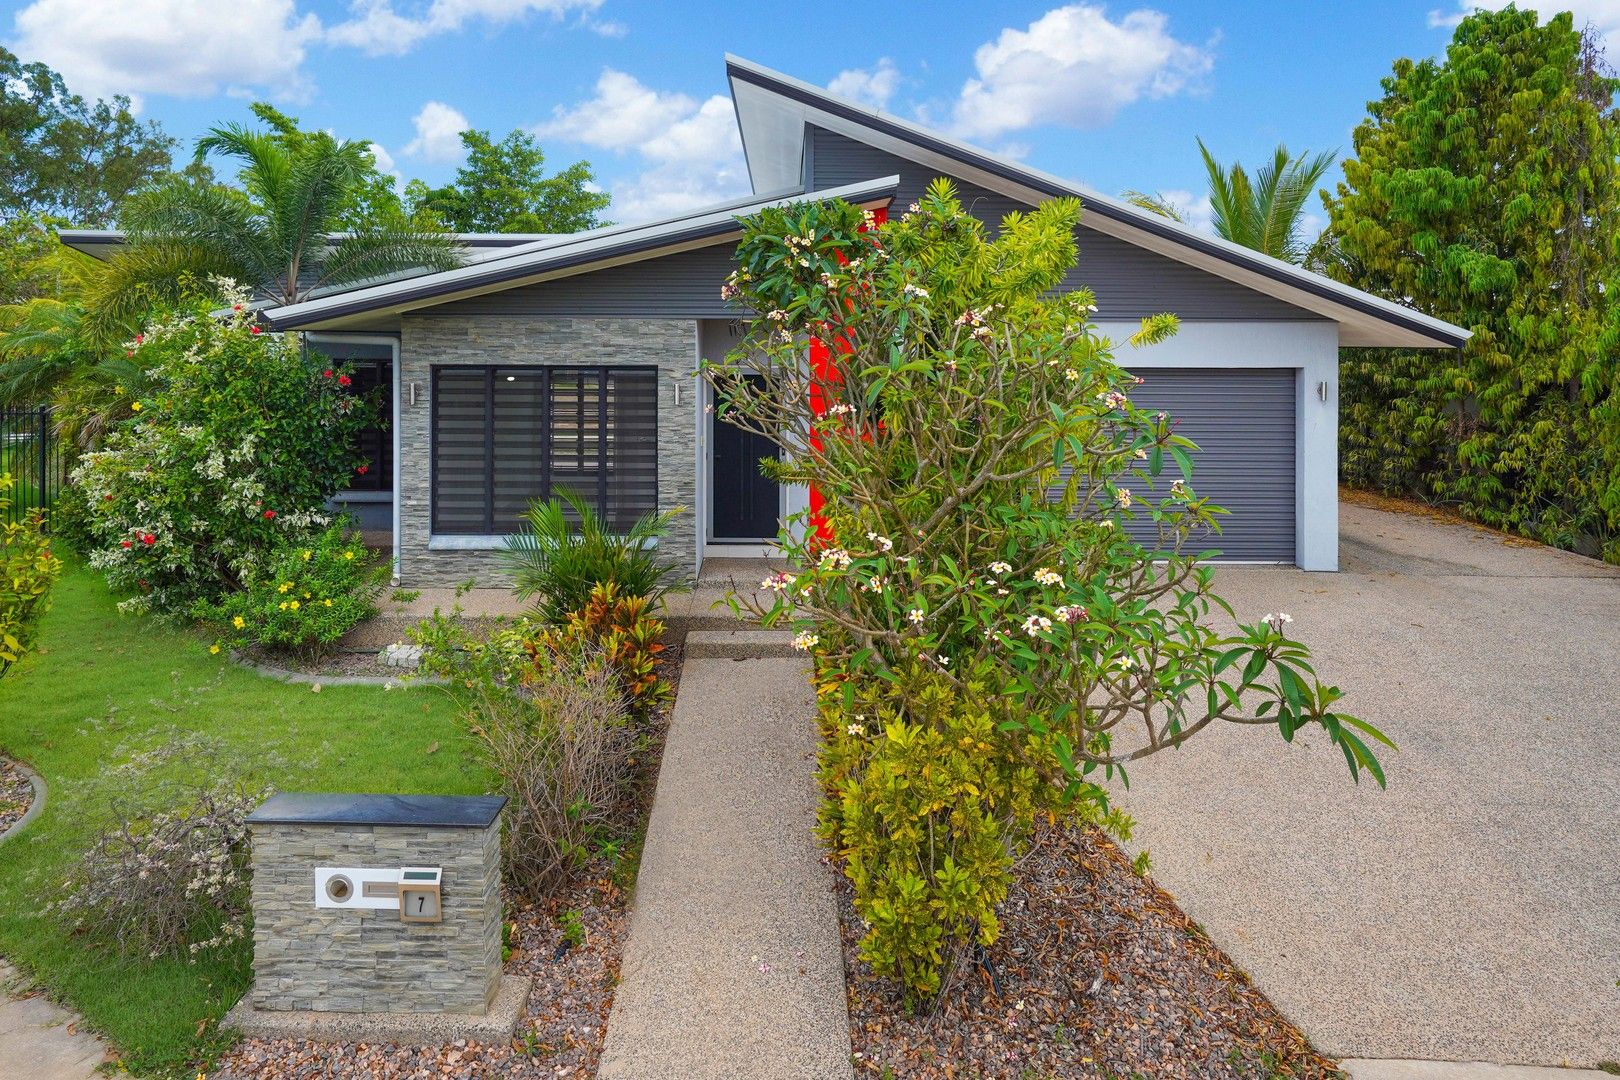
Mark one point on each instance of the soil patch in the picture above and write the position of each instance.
(16, 794)
(1097, 973)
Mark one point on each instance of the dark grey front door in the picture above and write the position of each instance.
(747, 506)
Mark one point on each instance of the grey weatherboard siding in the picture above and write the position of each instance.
(685, 283)
(1130, 282)
(1243, 422)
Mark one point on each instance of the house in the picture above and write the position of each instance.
(569, 360)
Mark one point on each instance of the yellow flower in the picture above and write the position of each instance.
(286, 586)
(306, 596)
(213, 650)
(239, 622)
(293, 605)
(328, 603)
(119, 390)
(348, 554)
(282, 606)
(307, 554)
(135, 406)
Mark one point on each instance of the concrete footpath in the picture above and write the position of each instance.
(40, 1040)
(733, 968)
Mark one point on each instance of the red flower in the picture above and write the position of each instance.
(107, 497)
(236, 307)
(254, 330)
(139, 338)
(148, 538)
(127, 543)
(361, 469)
(327, 374)
(269, 514)
(344, 380)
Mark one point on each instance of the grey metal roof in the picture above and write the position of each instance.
(100, 243)
(560, 256)
(772, 109)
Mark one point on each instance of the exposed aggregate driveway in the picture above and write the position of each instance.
(1472, 910)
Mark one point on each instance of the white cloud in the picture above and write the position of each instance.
(438, 133)
(872, 86)
(187, 48)
(378, 29)
(690, 148)
(608, 28)
(1075, 67)
(1604, 15)
(384, 160)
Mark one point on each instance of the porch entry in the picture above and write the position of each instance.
(746, 506)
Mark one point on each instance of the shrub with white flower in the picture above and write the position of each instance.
(985, 431)
(239, 440)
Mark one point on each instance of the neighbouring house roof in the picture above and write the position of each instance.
(101, 243)
(773, 110)
(555, 257)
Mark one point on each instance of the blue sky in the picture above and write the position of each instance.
(1109, 94)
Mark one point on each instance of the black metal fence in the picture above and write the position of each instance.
(32, 454)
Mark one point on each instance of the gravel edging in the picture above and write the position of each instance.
(35, 805)
(1097, 974)
(281, 674)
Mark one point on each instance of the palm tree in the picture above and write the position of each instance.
(1262, 212)
(274, 235)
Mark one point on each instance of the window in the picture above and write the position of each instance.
(372, 371)
(505, 436)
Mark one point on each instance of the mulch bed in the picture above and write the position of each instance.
(572, 992)
(16, 794)
(336, 662)
(1097, 973)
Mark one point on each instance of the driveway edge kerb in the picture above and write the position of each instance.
(37, 782)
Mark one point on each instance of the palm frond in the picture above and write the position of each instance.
(393, 248)
(1157, 204)
(147, 275)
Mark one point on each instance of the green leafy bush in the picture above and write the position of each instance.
(27, 572)
(628, 637)
(557, 563)
(310, 593)
(230, 455)
(990, 643)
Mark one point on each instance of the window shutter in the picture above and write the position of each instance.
(460, 492)
(519, 473)
(631, 454)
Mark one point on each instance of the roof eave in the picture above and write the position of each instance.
(1410, 328)
(587, 251)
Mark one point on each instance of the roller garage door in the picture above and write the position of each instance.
(1243, 422)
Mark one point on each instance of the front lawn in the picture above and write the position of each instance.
(105, 686)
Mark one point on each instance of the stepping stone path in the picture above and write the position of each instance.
(733, 968)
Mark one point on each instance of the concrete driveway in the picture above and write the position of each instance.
(1472, 910)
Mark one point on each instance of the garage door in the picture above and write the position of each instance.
(1243, 422)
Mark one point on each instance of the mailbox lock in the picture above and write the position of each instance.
(339, 888)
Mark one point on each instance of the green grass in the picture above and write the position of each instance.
(106, 685)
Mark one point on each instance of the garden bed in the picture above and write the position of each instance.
(1097, 973)
(563, 1029)
(16, 794)
(338, 663)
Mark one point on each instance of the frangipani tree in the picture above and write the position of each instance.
(990, 641)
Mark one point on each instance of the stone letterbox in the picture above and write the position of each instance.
(376, 903)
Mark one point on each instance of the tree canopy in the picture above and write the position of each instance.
(1483, 190)
(503, 188)
(64, 157)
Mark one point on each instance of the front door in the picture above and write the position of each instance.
(747, 505)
